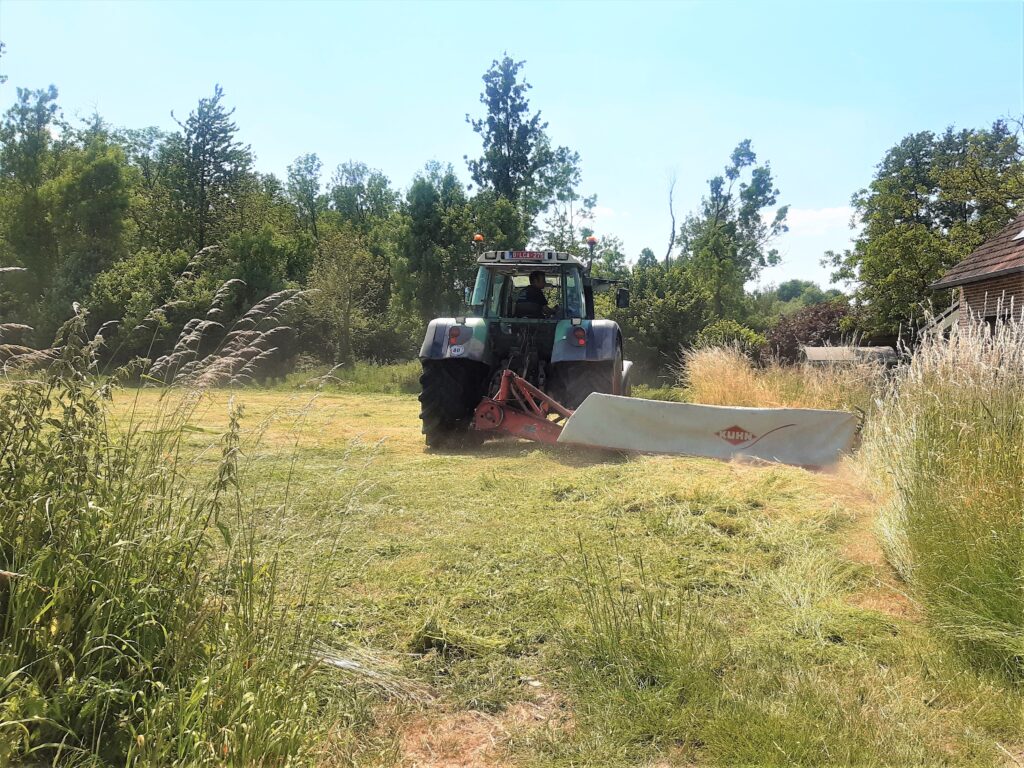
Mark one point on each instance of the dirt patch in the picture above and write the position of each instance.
(476, 739)
(888, 593)
(884, 598)
(1013, 755)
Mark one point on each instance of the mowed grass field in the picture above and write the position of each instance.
(533, 606)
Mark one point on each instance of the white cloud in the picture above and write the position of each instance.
(819, 221)
(603, 213)
(812, 231)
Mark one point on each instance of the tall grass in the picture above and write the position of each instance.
(138, 622)
(648, 664)
(726, 376)
(948, 447)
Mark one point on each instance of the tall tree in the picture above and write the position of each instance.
(208, 164)
(518, 164)
(933, 200)
(89, 202)
(304, 191)
(727, 243)
(435, 263)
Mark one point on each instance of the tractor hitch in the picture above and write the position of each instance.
(521, 410)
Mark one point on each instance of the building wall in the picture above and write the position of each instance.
(988, 298)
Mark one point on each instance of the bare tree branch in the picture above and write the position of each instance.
(672, 214)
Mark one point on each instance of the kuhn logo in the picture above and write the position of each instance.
(736, 435)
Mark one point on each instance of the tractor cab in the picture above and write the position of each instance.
(503, 276)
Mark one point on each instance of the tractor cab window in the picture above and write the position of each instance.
(499, 293)
(573, 294)
(483, 279)
(527, 303)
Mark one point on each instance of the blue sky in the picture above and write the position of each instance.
(641, 90)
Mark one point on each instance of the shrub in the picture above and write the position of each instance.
(729, 333)
(949, 444)
(816, 325)
(138, 624)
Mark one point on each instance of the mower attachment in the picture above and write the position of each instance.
(521, 410)
(801, 436)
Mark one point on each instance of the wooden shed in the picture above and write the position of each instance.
(991, 279)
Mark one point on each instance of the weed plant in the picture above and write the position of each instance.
(948, 447)
(138, 624)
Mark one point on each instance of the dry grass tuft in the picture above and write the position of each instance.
(726, 376)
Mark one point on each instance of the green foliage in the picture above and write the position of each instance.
(342, 320)
(933, 200)
(304, 191)
(816, 325)
(609, 260)
(206, 170)
(519, 164)
(668, 307)
(27, 161)
(726, 243)
(362, 196)
(729, 333)
(260, 259)
(435, 263)
(140, 624)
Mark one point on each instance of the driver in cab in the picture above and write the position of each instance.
(531, 301)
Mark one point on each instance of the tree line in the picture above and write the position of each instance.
(142, 227)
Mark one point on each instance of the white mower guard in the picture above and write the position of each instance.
(804, 437)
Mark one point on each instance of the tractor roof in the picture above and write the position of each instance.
(532, 258)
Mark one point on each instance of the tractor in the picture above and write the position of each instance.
(516, 366)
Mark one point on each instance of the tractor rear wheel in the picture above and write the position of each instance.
(450, 391)
(577, 380)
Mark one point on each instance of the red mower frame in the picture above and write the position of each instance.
(521, 410)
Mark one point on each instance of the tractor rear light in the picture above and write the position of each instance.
(579, 336)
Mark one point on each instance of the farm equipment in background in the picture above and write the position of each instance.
(557, 374)
(507, 366)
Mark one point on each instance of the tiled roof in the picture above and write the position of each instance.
(1001, 254)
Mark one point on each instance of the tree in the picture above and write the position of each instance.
(726, 243)
(647, 259)
(89, 203)
(27, 161)
(362, 195)
(609, 260)
(667, 309)
(435, 263)
(207, 164)
(932, 201)
(304, 191)
(519, 163)
(814, 325)
(338, 301)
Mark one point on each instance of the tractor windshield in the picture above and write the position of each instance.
(497, 289)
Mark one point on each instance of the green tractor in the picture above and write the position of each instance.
(538, 350)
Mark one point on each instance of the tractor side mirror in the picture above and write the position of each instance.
(622, 298)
